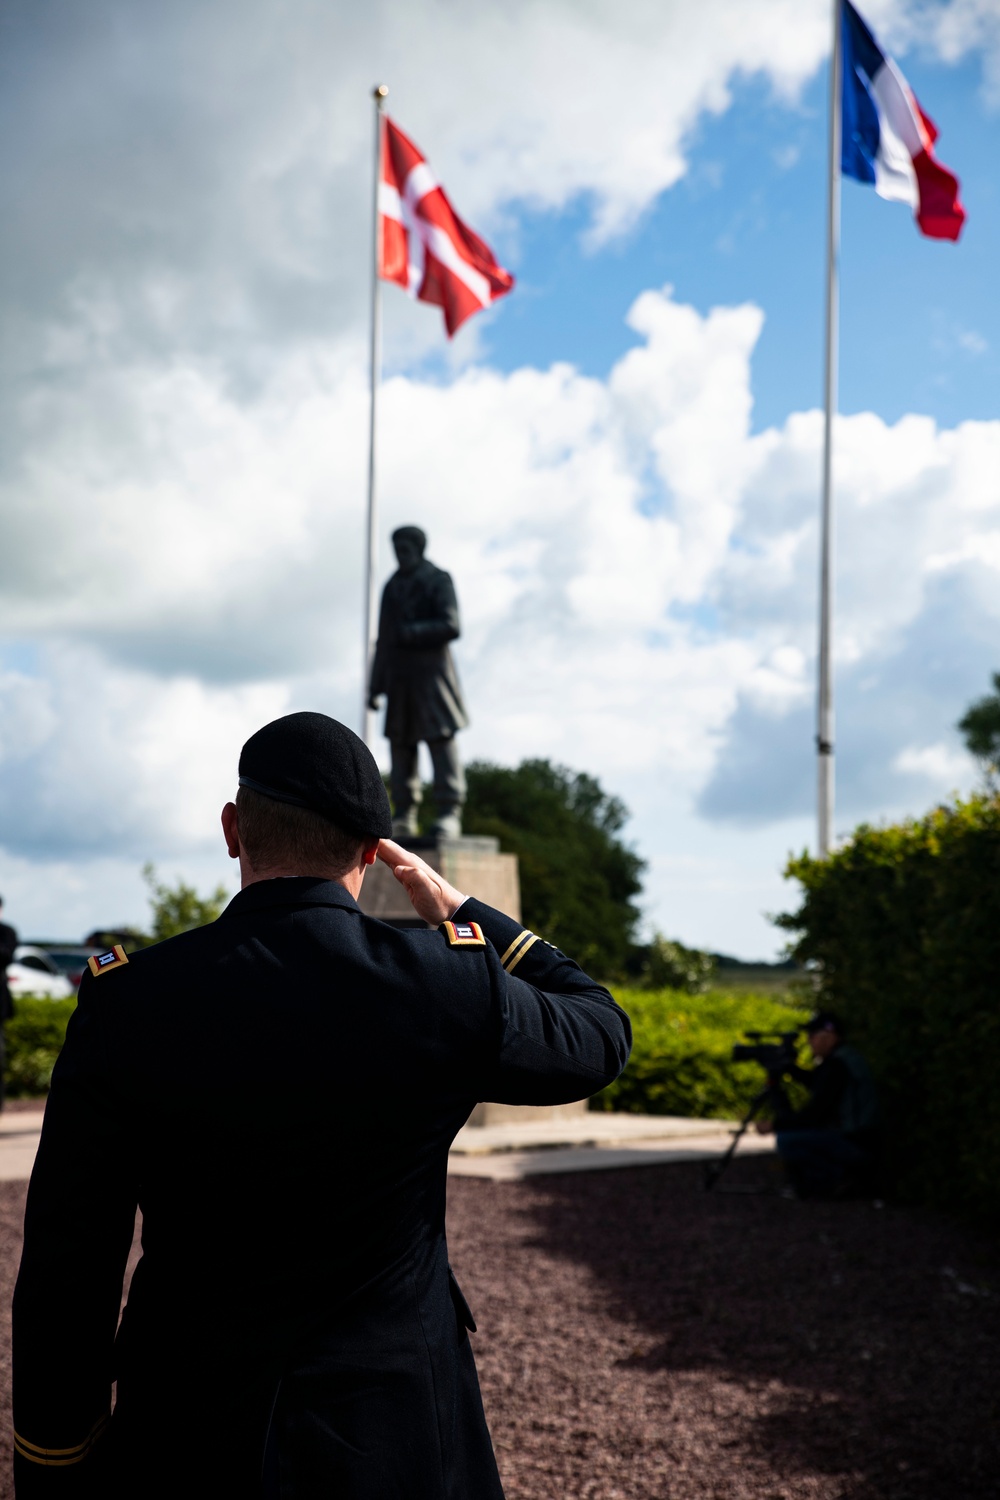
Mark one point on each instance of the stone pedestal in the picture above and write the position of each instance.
(525, 1114)
(476, 867)
(472, 865)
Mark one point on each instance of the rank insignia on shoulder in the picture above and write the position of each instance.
(464, 934)
(100, 963)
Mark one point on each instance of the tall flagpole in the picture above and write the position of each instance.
(368, 714)
(824, 716)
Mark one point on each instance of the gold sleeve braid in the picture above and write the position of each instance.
(61, 1458)
(518, 949)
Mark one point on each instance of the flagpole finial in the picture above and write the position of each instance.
(381, 92)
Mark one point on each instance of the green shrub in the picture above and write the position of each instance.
(34, 1036)
(681, 1061)
(904, 925)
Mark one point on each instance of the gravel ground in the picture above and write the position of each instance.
(640, 1340)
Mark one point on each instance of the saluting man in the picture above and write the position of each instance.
(277, 1092)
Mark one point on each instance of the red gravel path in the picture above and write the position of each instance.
(640, 1340)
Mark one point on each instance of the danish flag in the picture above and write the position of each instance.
(423, 244)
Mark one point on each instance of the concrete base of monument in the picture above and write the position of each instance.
(473, 865)
(593, 1142)
(524, 1114)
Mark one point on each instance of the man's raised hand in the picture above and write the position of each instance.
(433, 898)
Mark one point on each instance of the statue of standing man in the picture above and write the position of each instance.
(413, 668)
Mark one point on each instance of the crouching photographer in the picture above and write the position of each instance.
(829, 1147)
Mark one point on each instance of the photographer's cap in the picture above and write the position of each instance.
(824, 1020)
(310, 760)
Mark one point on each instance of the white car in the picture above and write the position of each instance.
(34, 973)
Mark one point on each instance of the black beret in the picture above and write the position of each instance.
(310, 760)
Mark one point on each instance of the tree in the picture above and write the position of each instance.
(981, 728)
(578, 878)
(666, 965)
(179, 908)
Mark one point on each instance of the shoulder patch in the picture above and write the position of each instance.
(100, 963)
(464, 934)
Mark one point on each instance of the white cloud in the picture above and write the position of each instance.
(917, 609)
(161, 516)
(201, 173)
(637, 572)
(786, 157)
(250, 119)
(97, 761)
(955, 29)
(972, 342)
(952, 336)
(940, 763)
(184, 408)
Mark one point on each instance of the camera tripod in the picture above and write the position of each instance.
(772, 1091)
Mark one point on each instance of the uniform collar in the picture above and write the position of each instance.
(292, 890)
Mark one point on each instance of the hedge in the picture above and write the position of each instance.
(903, 923)
(34, 1036)
(681, 1061)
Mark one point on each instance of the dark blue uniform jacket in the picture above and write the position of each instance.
(277, 1093)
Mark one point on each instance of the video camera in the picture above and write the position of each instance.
(776, 1057)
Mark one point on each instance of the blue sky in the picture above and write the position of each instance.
(920, 319)
(623, 478)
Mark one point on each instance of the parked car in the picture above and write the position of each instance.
(69, 960)
(34, 973)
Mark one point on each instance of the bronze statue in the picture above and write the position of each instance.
(413, 668)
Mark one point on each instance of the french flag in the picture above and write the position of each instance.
(887, 140)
